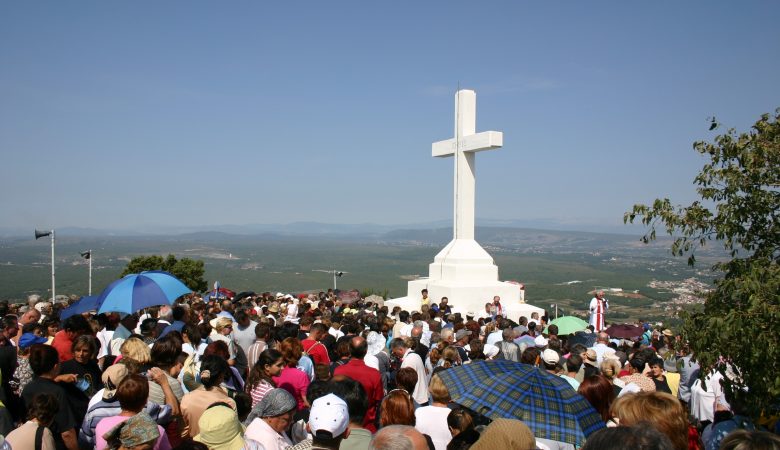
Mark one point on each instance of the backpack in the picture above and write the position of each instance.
(190, 371)
(308, 354)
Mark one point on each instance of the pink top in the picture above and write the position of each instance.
(294, 381)
(105, 425)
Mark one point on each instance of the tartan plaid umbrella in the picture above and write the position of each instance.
(544, 402)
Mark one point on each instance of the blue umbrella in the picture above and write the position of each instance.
(84, 304)
(137, 291)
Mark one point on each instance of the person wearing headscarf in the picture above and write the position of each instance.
(270, 419)
(138, 431)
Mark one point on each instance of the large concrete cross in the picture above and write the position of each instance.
(463, 146)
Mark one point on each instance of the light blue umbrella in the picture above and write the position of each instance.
(137, 291)
(84, 304)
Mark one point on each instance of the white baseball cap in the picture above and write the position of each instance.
(329, 413)
(550, 356)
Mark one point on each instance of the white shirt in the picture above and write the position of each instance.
(335, 333)
(600, 348)
(703, 402)
(118, 338)
(432, 420)
(261, 432)
(104, 336)
(371, 361)
(483, 315)
(495, 337)
(414, 361)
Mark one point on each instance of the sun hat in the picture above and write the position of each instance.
(28, 339)
(667, 332)
(220, 429)
(111, 379)
(610, 354)
(462, 333)
(630, 388)
(590, 357)
(541, 341)
(274, 308)
(329, 414)
(137, 430)
(550, 356)
(376, 342)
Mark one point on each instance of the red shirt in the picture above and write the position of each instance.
(372, 383)
(63, 344)
(316, 350)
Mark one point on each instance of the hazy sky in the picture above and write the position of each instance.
(120, 114)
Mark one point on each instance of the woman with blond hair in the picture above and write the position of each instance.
(449, 358)
(610, 368)
(222, 330)
(135, 349)
(661, 410)
(432, 420)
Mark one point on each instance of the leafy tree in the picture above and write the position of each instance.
(189, 271)
(739, 208)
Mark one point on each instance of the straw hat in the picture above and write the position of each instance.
(220, 429)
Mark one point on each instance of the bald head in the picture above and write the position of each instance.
(398, 437)
(358, 347)
(31, 316)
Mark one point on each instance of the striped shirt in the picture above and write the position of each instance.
(253, 353)
(259, 391)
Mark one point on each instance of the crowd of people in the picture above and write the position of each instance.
(275, 371)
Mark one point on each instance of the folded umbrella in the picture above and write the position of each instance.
(138, 291)
(544, 402)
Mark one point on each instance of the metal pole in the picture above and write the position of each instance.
(53, 286)
(90, 272)
(334, 279)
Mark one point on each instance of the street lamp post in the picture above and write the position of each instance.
(336, 274)
(38, 235)
(88, 256)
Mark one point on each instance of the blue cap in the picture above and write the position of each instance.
(28, 339)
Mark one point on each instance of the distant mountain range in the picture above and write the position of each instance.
(321, 229)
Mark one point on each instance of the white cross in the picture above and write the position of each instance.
(463, 146)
